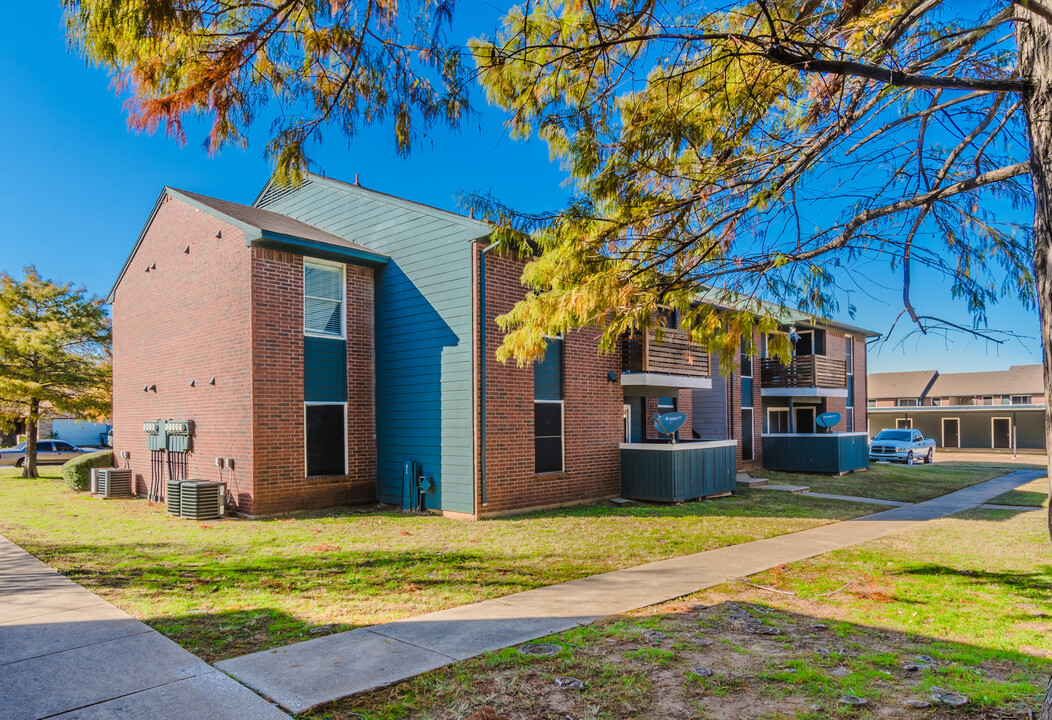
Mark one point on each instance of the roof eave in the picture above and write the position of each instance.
(316, 249)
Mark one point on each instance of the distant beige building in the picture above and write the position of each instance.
(1002, 410)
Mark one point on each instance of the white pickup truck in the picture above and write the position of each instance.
(902, 446)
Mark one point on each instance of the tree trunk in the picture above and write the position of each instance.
(29, 467)
(1034, 39)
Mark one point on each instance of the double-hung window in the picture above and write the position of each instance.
(323, 296)
(325, 422)
(548, 408)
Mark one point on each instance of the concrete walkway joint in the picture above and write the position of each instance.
(67, 653)
(311, 673)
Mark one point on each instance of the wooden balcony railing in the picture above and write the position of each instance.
(674, 355)
(805, 371)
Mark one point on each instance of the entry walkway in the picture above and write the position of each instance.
(67, 653)
(308, 674)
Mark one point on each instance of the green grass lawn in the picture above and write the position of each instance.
(966, 599)
(229, 587)
(1033, 494)
(891, 482)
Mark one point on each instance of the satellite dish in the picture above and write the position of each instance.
(827, 420)
(669, 423)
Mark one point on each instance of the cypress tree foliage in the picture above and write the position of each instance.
(54, 353)
(735, 150)
(323, 64)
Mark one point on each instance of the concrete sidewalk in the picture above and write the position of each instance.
(308, 674)
(67, 653)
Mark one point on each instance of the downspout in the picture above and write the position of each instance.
(482, 370)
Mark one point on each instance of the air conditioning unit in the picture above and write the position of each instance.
(202, 499)
(115, 482)
(172, 496)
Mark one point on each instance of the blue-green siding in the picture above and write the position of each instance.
(324, 369)
(820, 453)
(424, 310)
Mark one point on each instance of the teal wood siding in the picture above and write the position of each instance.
(830, 453)
(676, 475)
(324, 370)
(423, 321)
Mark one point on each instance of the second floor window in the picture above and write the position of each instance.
(323, 299)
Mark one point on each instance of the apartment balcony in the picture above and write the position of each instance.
(659, 369)
(804, 376)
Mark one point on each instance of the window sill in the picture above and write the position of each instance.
(551, 473)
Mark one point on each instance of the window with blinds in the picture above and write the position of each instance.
(323, 297)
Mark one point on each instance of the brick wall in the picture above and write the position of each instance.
(188, 318)
(593, 427)
(278, 389)
(225, 311)
(734, 405)
(684, 404)
(861, 384)
(836, 347)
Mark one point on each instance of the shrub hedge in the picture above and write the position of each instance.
(77, 472)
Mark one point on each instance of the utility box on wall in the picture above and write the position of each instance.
(177, 434)
(154, 430)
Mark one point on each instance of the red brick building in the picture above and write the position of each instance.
(327, 347)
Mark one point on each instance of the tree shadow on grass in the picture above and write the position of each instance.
(215, 636)
(1036, 585)
(744, 503)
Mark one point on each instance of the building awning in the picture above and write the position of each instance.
(643, 384)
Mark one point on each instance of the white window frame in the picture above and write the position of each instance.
(770, 411)
(346, 459)
(984, 398)
(1026, 399)
(562, 438)
(993, 436)
(907, 402)
(956, 420)
(343, 299)
(906, 419)
(936, 402)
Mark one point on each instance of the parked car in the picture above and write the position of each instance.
(49, 452)
(902, 446)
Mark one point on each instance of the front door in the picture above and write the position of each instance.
(804, 419)
(951, 432)
(1002, 431)
(904, 423)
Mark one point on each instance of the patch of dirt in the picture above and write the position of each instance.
(639, 665)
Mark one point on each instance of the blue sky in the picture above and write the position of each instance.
(77, 185)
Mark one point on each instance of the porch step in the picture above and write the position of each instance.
(794, 489)
(746, 481)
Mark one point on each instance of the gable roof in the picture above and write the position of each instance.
(1016, 380)
(265, 229)
(785, 315)
(272, 191)
(913, 384)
